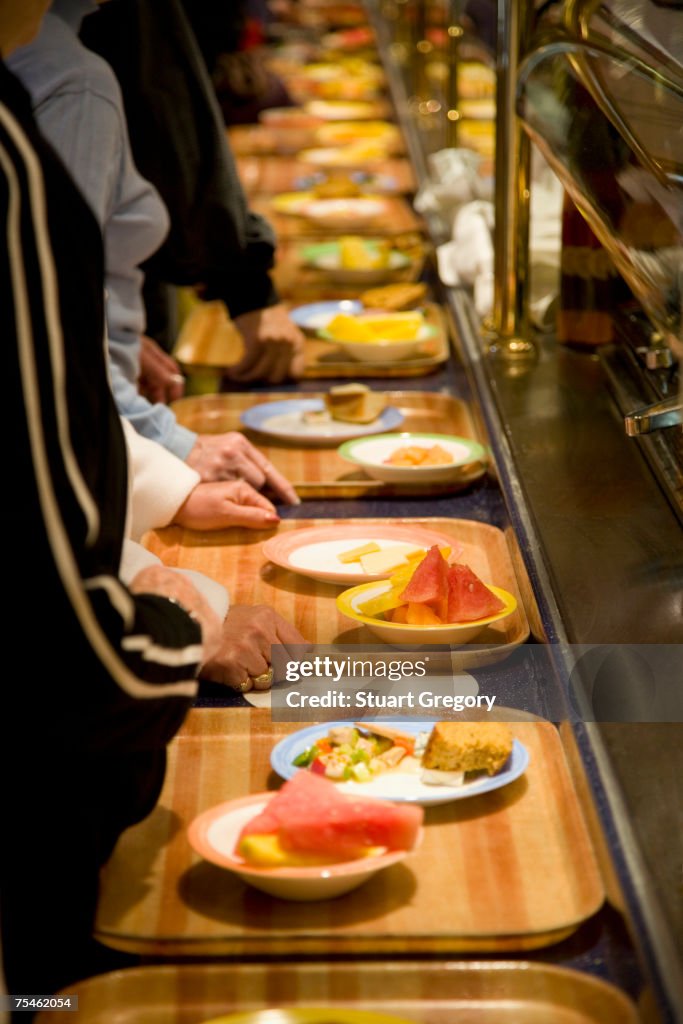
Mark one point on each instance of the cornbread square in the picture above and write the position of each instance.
(354, 403)
(468, 747)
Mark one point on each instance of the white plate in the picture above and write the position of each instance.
(313, 552)
(344, 213)
(315, 316)
(284, 421)
(398, 786)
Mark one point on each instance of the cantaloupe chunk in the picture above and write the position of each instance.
(421, 615)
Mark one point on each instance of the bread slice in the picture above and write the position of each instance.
(468, 747)
(354, 403)
(395, 297)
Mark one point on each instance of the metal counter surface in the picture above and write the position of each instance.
(604, 549)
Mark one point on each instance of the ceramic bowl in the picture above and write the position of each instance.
(372, 457)
(214, 835)
(328, 263)
(400, 634)
(383, 350)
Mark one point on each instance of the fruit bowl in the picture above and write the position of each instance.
(363, 337)
(372, 457)
(374, 262)
(214, 834)
(398, 634)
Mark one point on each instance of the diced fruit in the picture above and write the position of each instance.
(419, 455)
(399, 614)
(434, 593)
(310, 816)
(468, 598)
(396, 326)
(355, 553)
(390, 326)
(421, 615)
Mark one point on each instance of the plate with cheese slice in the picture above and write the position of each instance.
(355, 553)
(318, 422)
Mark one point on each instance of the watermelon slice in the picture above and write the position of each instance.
(291, 799)
(468, 597)
(429, 582)
(310, 815)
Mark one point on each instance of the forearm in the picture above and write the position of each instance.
(156, 422)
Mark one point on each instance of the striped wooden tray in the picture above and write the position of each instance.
(235, 558)
(257, 139)
(273, 174)
(298, 283)
(510, 870)
(398, 217)
(208, 344)
(321, 472)
(490, 992)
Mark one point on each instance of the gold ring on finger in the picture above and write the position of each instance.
(264, 680)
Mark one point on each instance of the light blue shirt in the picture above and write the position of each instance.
(77, 103)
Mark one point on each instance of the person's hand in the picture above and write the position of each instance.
(231, 457)
(164, 582)
(243, 660)
(274, 346)
(160, 377)
(223, 503)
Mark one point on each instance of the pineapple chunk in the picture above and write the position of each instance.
(355, 553)
(387, 559)
(266, 851)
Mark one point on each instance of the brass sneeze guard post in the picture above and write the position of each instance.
(509, 328)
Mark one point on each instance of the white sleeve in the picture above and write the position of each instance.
(159, 483)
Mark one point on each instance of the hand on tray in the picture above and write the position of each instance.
(224, 503)
(243, 660)
(231, 457)
(273, 343)
(164, 582)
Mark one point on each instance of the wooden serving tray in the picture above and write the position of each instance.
(321, 472)
(325, 359)
(298, 282)
(512, 869)
(209, 344)
(490, 992)
(273, 174)
(246, 139)
(398, 217)
(235, 558)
